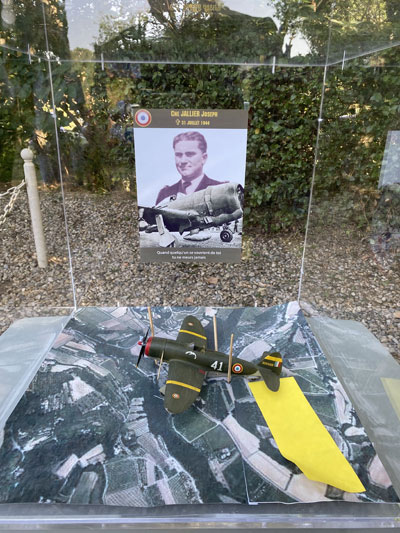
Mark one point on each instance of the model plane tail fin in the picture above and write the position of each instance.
(270, 368)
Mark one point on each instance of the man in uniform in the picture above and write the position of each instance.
(190, 156)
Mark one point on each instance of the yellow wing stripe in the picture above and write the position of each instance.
(270, 358)
(192, 333)
(183, 385)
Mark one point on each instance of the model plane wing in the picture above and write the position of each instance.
(192, 332)
(183, 385)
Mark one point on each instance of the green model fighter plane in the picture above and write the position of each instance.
(189, 360)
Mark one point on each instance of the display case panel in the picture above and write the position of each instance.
(33, 226)
(96, 96)
(19, 23)
(352, 252)
(209, 31)
(357, 28)
(202, 31)
(100, 189)
(323, 138)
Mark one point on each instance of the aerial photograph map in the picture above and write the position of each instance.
(92, 427)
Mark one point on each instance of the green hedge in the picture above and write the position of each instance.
(361, 105)
(283, 123)
(283, 116)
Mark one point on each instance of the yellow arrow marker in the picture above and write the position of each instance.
(301, 436)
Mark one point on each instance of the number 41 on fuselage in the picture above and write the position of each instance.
(189, 360)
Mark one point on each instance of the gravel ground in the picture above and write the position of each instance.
(342, 277)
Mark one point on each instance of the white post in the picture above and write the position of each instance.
(34, 207)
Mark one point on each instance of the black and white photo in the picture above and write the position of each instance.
(190, 169)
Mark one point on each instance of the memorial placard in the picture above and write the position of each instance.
(190, 170)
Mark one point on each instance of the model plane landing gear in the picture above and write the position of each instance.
(226, 235)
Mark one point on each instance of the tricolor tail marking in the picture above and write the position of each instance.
(272, 361)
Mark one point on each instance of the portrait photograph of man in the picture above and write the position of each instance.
(190, 149)
(190, 188)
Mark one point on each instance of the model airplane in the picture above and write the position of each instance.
(189, 359)
(215, 206)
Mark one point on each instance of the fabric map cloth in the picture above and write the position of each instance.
(92, 429)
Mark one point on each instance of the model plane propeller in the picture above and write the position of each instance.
(189, 360)
(142, 343)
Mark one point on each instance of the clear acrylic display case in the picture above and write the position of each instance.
(74, 73)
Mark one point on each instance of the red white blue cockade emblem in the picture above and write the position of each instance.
(237, 368)
(143, 118)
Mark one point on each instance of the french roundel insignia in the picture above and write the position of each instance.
(143, 118)
(175, 396)
(237, 368)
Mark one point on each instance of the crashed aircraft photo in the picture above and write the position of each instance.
(216, 206)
